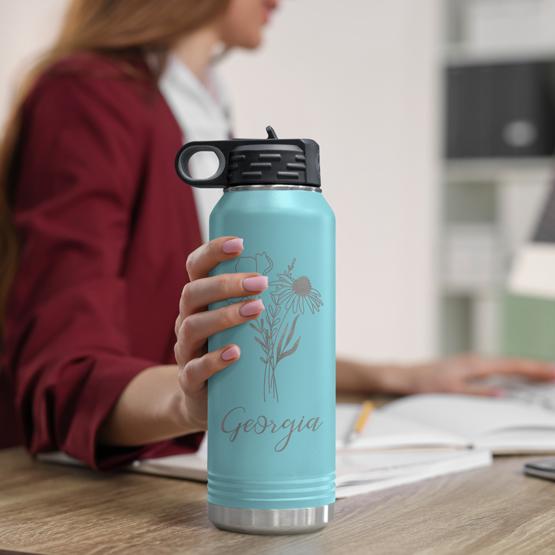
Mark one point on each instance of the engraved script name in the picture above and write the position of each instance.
(233, 423)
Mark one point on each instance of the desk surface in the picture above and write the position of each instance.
(54, 509)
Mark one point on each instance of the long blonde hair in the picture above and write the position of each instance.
(116, 28)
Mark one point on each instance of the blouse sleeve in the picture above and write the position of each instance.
(78, 171)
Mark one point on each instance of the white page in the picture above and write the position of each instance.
(357, 472)
(518, 442)
(190, 466)
(380, 465)
(472, 417)
(385, 431)
(355, 478)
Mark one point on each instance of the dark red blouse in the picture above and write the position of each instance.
(105, 228)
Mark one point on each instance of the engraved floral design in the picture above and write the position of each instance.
(276, 333)
(296, 293)
(260, 263)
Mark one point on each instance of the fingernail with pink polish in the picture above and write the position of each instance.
(252, 308)
(233, 245)
(255, 283)
(231, 352)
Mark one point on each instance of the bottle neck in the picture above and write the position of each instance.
(272, 187)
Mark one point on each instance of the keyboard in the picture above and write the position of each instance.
(538, 394)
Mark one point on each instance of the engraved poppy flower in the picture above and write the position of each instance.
(296, 293)
(260, 263)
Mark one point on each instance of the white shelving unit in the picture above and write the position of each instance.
(489, 206)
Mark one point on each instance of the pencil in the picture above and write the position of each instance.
(365, 411)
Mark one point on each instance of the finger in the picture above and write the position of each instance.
(196, 328)
(532, 370)
(192, 378)
(208, 255)
(201, 292)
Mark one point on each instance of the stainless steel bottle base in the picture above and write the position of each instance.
(270, 521)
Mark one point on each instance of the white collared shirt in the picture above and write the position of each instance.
(202, 113)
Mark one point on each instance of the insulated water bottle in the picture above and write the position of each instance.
(271, 414)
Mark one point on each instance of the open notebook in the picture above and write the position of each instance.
(457, 421)
(357, 471)
(394, 450)
(412, 439)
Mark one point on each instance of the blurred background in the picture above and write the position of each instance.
(436, 125)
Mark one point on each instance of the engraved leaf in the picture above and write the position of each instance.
(291, 350)
(290, 336)
(269, 264)
(264, 346)
(280, 342)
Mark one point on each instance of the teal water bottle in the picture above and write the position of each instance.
(271, 414)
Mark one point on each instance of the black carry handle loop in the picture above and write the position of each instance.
(254, 161)
(222, 150)
(217, 179)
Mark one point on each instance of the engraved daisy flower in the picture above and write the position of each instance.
(296, 293)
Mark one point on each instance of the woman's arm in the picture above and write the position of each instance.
(359, 377)
(76, 175)
(149, 409)
(168, 401)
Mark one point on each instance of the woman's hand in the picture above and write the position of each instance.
(467, 374)
(195, 323)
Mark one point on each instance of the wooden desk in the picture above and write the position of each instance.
(52, 509)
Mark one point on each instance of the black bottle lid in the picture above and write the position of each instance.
(255, 162)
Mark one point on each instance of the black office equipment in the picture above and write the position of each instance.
(500, 110)
(541, 469)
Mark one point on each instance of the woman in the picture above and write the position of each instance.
(101, 242)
